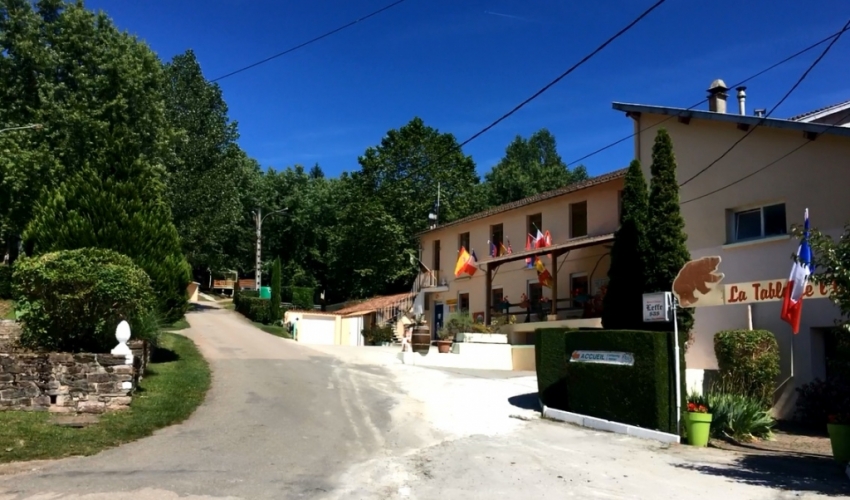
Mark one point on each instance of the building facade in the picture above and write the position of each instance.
(740, 202)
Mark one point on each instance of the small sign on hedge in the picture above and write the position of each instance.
(604, 357)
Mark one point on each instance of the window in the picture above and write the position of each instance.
(463, 302)
(535, 222)
(463, 241)
(436, 255)
(535, 293)
(761, 222)
(578, 219)
(496, 297)
(497, 235)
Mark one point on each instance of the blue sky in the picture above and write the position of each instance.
(460, 65)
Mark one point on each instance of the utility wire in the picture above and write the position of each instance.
(765, 117)
(565, 73)
(308, 42)
(542, 90)
(780, 63)
(774, 162)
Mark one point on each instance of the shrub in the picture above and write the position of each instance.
(376, 335)
(274, 306)
(458, 322)
(302, 297)
(5, 282)
(819, 399)
(72, 300)
(740, 417)
(550, 357)
(748, 362)
(255, 309)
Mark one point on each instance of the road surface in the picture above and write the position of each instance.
(283, 420)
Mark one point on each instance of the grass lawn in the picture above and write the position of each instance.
(274, 330)
(180, 324)
(177, 380)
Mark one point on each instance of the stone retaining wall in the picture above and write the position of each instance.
(10, 332)
(68, 383)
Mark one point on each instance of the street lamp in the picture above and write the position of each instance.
(25, 127)
(258, 219)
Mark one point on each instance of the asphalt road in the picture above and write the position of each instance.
(280, 421)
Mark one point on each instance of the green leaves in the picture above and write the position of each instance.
(831, 259)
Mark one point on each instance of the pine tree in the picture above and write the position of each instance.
(665, 226)
(275, 299)
(622, 306)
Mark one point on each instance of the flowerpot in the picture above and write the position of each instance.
(698, 426)
(444, 346)
(839, 437)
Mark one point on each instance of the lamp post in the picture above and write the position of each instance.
(24, 127)
(258, 219)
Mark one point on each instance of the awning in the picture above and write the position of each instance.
(556, 249)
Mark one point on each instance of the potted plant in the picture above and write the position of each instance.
(839, 436)
(698, 420)
(444, 345)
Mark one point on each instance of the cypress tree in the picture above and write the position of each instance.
(275, 300)
(622, 305)
(665, 226)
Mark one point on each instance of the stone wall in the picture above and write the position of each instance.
(68, 383)
(10, 332)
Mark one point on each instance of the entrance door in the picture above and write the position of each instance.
(354, 331)
(438, 319)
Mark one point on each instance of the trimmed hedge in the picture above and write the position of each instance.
(749, 362)
(5, 282)
(249, 304)
(639, 395)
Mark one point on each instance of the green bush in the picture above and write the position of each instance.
(749, 363)
(550, 357)
(376, 335)
(740, 417)
(5, 282)
(275, 297)
(72, 300)
(256, 309)
(302, 297)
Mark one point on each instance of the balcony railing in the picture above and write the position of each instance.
(431, 279)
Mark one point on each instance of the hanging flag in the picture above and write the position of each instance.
(466, 263)
(492, 248)
(529, 262)
(540, 240)
(506, 250)
(543, 275)
(792, 303)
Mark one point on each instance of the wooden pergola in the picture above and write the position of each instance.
(556, 251)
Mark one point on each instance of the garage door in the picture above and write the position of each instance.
(317, 330)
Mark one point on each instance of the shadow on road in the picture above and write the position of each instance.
(198, 306)
(785, 472)
(525, 401)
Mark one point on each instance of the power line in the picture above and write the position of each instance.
(765, 117)
(780, 63)
(774, 162)
(565, 73)
(308, 42)
(549, 85)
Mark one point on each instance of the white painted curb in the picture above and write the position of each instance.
(607, 425)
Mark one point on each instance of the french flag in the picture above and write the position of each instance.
(792, 303)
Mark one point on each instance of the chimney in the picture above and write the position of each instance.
(742, 100)
(760, 112)
(717, 96)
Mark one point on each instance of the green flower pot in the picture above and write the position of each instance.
(698, 426)
(839, 437)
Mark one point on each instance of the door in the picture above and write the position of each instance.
(438, 319)
(355, 327)
(317, 330)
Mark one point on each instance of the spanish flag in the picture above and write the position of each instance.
(466, 263)
(543, 275)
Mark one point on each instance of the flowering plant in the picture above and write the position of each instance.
(697, 404)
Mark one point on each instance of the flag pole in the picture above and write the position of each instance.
(676, 366)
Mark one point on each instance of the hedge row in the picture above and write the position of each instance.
(641, 394)
(250, 305)
(5, 282)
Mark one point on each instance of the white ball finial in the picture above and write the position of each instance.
(122, 335)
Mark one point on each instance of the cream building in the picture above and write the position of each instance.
(742, 206)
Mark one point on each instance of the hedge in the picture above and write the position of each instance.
(639, 395)
(749, 362)
(249, 304)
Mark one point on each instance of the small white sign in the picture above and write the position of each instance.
(657, 307)
(604, 357)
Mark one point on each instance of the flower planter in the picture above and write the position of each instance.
(444, 346)
(839, 437)
(698, 426)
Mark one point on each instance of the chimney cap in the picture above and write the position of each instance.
(717, 86)
(741, 88)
